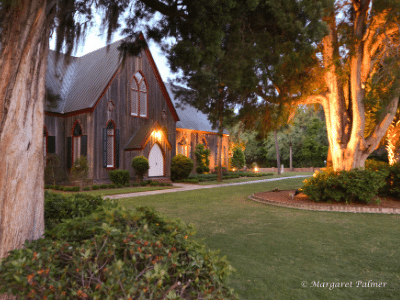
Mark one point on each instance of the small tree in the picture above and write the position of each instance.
(80, 169)
(238, 160)
(202, 160)
(141, 165)
(181, 167)
(53, 170)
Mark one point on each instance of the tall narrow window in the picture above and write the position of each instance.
(183, 147)
(76, 145)
(45, 134)
(110, 144)
(76, 142)
(139, 96)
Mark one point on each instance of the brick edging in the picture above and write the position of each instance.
(333, 208)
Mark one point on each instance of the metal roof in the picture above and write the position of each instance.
(190, 117)
(81, 82)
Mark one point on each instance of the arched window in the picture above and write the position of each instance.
(183, 147)
(139, 96)
(76, 142)
(110, 144)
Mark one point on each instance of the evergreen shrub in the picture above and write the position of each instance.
(154, 183)
(86, 188)
(345, 186)
(181, 166)
(58, 207)
(116, 254)
(119, 176)
(104, 186)
(135, 184)
(111, 186)
(141, 165)
(143, 183)
(95, 187)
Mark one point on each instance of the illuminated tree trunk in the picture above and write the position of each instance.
(343, 101)
(393, 143)
(24, 49)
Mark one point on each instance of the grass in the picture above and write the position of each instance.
(244, 179)
(274, 250)
(116, 191)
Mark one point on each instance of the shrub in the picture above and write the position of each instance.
(111, 186)
(104, 186)
(127, 184)
(53, 171)
(80, 169)
(237, 160)
(119, 176)
(224, 170)
(86, 188)
(143, 183)
(154, 183)
(47, 186)
(189, 180)
(202, 160)
(141, 165)
(392, 182)
(181, 166)
(58, 207)
(95, 187)
(135, 184)
(116, 254)
(345, 186)
(120, 186)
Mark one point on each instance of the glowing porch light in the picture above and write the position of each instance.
(255, 169)
(156, 134)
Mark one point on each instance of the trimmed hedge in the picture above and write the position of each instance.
(181, 166)
(119, 177)
(345, 186)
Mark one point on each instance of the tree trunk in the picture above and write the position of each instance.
(220, 134)
(329, 159)
(278, 158)
(343, 101)
(291, 157)
(24, 50)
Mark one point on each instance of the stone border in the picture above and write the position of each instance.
(333, 208)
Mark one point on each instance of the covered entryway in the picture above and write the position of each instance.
(156, 161)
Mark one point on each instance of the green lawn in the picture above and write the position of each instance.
(244, 179)
(128, 190)
(274, 250)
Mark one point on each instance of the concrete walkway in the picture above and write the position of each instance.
(181, 187)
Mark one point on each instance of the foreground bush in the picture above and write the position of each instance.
(116, 254)
(119, 177)
(181, 166)
(58, 207)
(344, 186)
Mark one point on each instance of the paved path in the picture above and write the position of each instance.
(180, 187)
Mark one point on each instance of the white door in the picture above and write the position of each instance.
(156, 161)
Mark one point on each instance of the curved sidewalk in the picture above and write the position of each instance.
(181, 187)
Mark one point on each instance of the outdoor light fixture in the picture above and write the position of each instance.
(255, 169)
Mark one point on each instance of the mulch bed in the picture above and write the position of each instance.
(284, 197)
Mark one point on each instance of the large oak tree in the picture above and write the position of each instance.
(361, 74)
(26, 26)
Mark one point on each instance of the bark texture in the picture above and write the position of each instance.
(344, 98)
(24, 40)
(393, 143)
